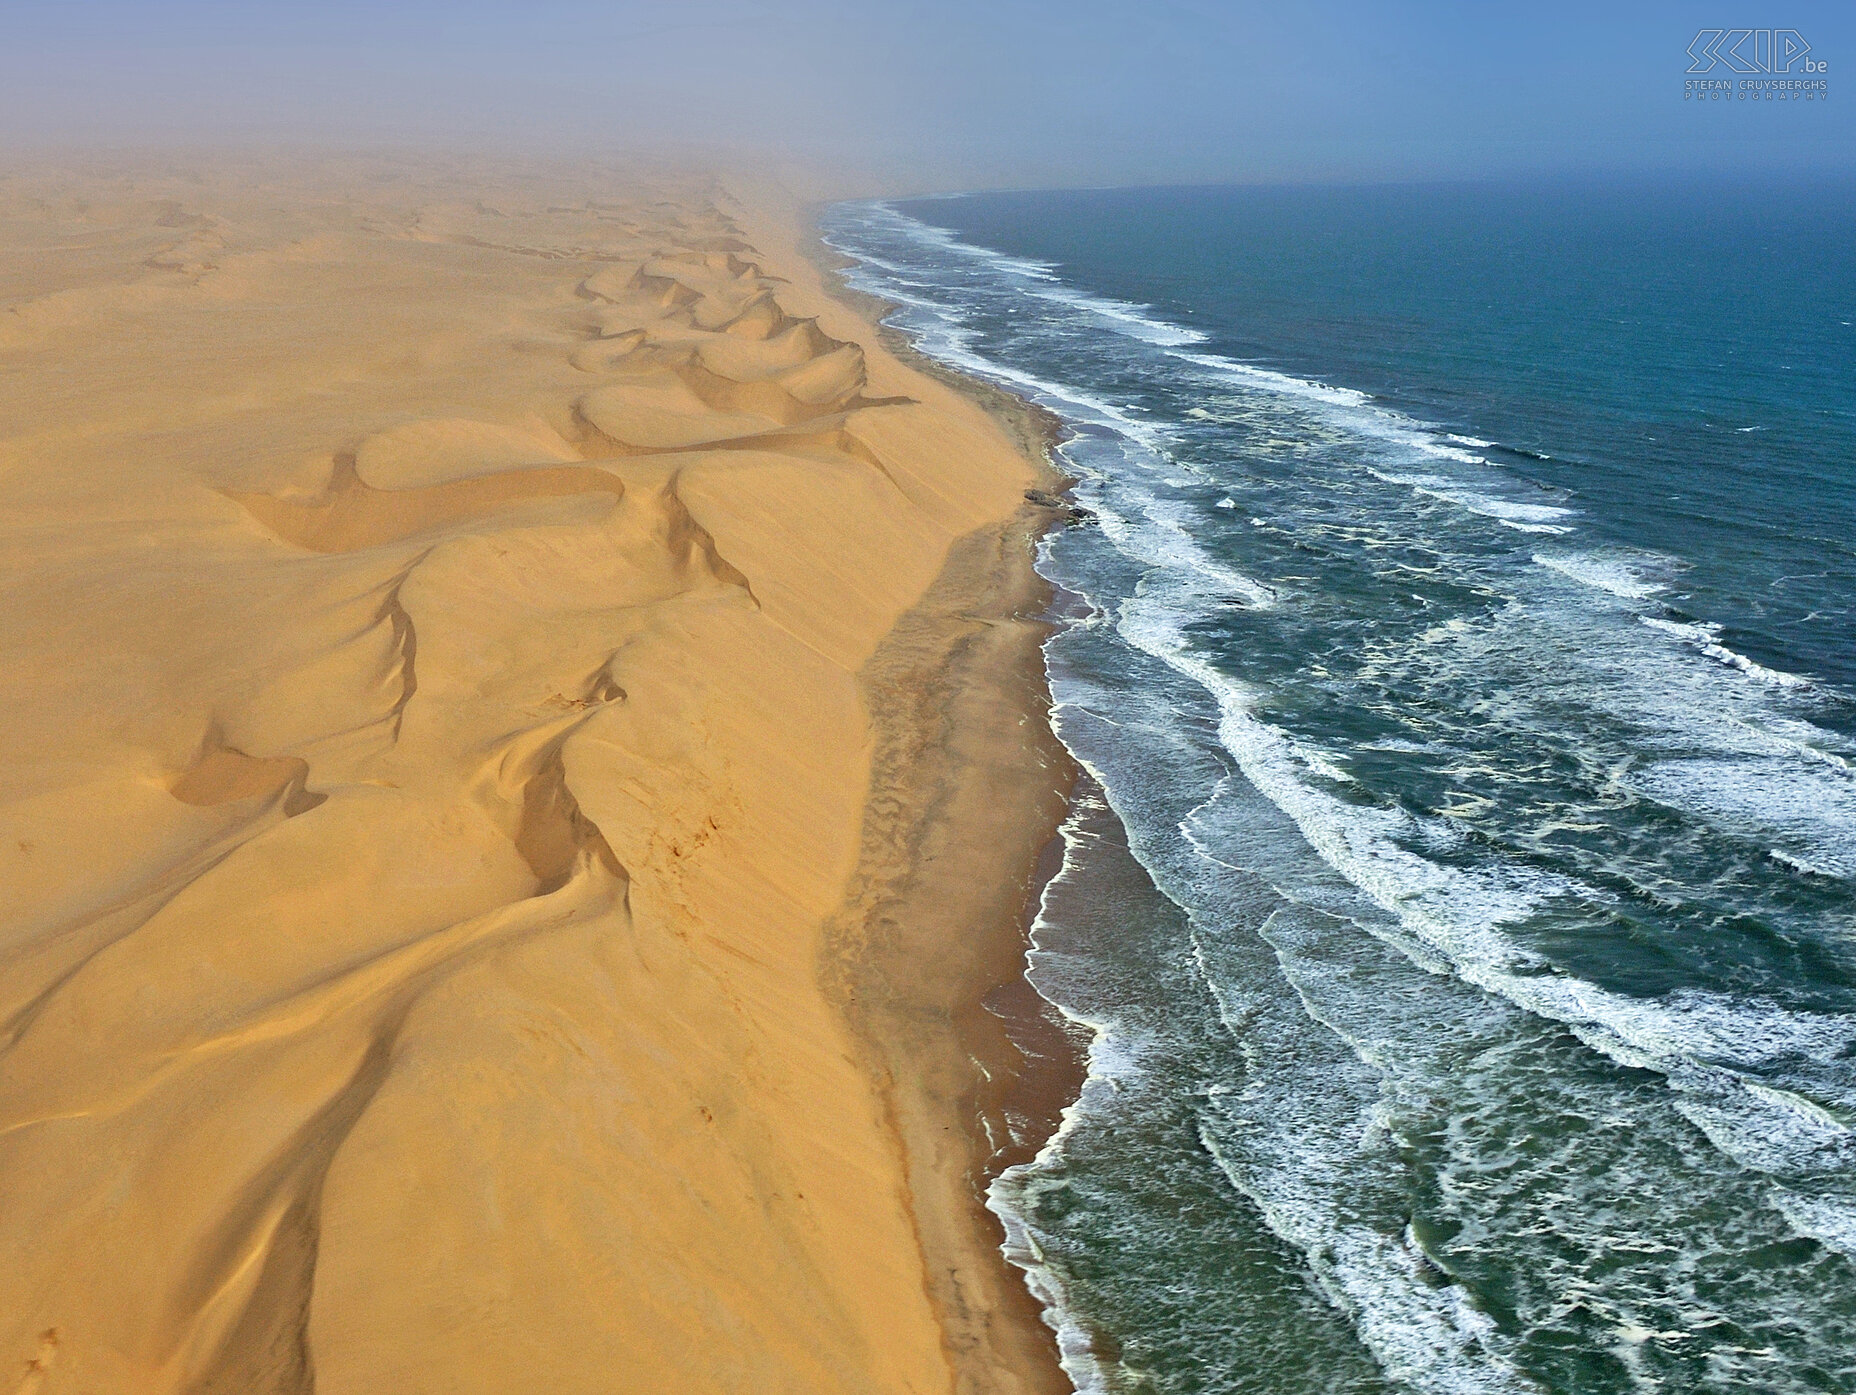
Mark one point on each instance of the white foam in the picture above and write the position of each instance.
(1529, 517)
(1365, 418)
(946, 240)
(1776, 1131)
(1421, 1332)
(1811, 811)
(1452, 918)
(948, 340)
(1448, 453)
(1550, 528)
(1251, 376)
(1510, 513)
(1167, 544)
(1125, 317)
(1622, 577)
(1830, 1222)
(1362, 416)
(1111, 1057)
(1800, 864)
(1122, 316)
(1075, 1352)
(1705, 638)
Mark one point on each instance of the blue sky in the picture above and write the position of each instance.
(956, 93)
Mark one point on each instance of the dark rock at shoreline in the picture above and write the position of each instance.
(1073, 513)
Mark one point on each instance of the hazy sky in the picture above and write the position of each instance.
(956, 93)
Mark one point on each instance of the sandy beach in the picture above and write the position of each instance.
(526, 760)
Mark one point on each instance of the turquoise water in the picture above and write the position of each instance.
(1464, 662)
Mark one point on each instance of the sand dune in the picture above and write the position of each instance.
(437, 652)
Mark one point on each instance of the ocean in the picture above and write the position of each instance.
(1460, 903)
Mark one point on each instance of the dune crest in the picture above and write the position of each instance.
(435, 663)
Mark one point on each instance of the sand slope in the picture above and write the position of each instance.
(433, 612)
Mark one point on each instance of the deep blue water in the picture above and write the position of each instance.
(1464, 661)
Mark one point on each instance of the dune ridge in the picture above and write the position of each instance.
(444, 616)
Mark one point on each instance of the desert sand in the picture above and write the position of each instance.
(524, 755)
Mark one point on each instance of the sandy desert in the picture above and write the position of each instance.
(521, 715)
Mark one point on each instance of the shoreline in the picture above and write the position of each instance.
(1036, 429)
(928, 959)
(956, 1036)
